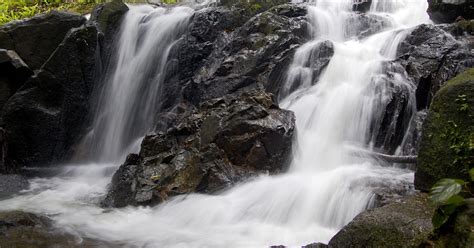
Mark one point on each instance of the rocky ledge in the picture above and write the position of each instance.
(222, 142)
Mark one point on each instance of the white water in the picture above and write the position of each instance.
(325, 188)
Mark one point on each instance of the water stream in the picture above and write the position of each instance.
(326, 186)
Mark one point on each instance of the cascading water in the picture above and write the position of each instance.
(130, 97)
(325, 187)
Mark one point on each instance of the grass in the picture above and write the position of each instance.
(19, 9)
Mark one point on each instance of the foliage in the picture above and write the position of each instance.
(19, 9)
(449, 195)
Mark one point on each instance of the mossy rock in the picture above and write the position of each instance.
(108, 16)
(400, 224)
(24, 230)
(447, 141)
(254, 6)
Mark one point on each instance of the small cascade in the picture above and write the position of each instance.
(133, 84)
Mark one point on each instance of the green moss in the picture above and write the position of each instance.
(448, 138)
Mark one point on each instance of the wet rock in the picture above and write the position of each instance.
(108, 18)
(400, 224)
(431, 57)
(445, 149)
(319, 54)
(45, 117)
(447, 11)
(12, 184)
(254, 6)
(224, 141)
(316, 245)
(21, 229)
(228, 51)
(362, 25)
(14, 74)
(36, 38)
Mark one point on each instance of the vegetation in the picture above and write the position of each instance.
(449, 195)
(19, 9)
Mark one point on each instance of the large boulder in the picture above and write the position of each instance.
(448, 133)
(36, 38)
(431, 56)
(14, 74)
(44, 118)
(447, 11)
(108, 18)
(228, 50)
(406, 224)
(428, 57)
(211, 148)
(21, 229)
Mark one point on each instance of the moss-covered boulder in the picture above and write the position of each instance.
(447, 141)
(24, 230)
(400, 224)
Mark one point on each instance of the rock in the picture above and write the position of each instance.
(362, 5)
(36, 38)
(431, 57)
(445, 149)
(224, 141)
(447, 11)
(21, 229)
(12, 184)
(227, 51)
(316, 245)
(108, 18)
(320, 55)
(14, 74)
(400, 224)
(254, 6)
(45, 117)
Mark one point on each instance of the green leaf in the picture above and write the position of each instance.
(455, 200)
(471, 173)
(444, 189)
(439, 218)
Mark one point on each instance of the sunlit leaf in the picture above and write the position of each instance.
(444, 189)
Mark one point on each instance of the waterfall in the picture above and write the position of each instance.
(326, 186)
(133, 84)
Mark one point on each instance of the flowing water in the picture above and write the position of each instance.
(326, 186)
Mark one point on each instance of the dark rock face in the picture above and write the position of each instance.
(35, 39)
(14, 74)
(442, 11)
(228, 51)
(223, 142)
(44, 117)
(428, 57)
(431, 57)
(12, 184)
(21, 229)
(108, 18)
(400, 224)
(445, 150)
